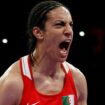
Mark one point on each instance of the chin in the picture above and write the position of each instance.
(62, 59)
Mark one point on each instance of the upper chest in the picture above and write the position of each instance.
(48, 85)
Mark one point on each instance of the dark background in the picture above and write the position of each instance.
(86, 53)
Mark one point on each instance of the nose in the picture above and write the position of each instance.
(68, 31)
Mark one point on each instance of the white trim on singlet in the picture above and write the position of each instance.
(25, 67)
(66, 67)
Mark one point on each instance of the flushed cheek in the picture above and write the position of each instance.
(52, 42)
(51, 47)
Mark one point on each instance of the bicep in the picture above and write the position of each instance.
(7, 94)
(6, 98)
(82, 88)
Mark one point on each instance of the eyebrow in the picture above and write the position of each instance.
(63, 21)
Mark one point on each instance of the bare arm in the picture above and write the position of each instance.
(81, 88)
(7, 93)
(10, 87)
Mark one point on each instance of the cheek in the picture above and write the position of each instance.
(51, 40)
(51, 45)
(53, 37)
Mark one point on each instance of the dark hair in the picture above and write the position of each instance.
(38, 17)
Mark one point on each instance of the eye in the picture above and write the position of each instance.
(71, 24)
(60, 23)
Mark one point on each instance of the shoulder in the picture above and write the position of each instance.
(79, 80)
(11, 84)
(76, 72)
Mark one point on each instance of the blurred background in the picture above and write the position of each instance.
(88, 47)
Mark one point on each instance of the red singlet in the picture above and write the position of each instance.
(31, 96)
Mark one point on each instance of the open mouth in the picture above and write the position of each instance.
(64, 45)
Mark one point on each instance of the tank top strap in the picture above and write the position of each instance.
(25, 67)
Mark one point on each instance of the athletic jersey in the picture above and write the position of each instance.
(31, 96)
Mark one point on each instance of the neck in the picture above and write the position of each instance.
(44, 65)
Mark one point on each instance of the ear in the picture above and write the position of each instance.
(37, 32)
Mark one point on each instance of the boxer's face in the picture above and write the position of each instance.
(58, 34)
